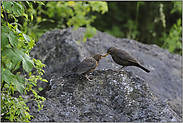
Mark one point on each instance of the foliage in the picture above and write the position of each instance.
(177, 7)
(63, 14)
(172, 40)
(15, 48)
(130, 26)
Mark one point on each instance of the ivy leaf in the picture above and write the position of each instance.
(12, 38)
(6, 75)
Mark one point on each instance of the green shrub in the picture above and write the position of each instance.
(63, 14)
(173, 39)
(15, 48)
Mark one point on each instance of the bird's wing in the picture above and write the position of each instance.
(85, 66)
(125, 56)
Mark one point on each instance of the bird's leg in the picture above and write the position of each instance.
(88, 78)
(122, 68)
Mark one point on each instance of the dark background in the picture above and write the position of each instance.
(140, 21)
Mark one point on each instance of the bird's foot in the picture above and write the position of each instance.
(88, 78)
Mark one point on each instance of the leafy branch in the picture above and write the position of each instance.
(15, 48)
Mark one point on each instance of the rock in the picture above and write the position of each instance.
(110, 97)
(60, 52)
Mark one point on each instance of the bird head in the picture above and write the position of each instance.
(111, 50)
(97, 57)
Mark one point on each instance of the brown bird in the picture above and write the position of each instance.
(86, 66)
(123, 58)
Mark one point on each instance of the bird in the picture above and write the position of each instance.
(86, 66)
(123, 58)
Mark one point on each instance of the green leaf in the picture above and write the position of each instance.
(19, 86)
(7, 6)
(27, 66)
(26, 37)
(32, 17)
(9, 65)
(5, 29)
(18, 112)
(7, 52)
(4, 40)
(14, 55)
(17, 8)
(20, 78)
(4, 32)
(40, 88)
(6, 75)
(90, 31)
(26, 16)
(27, 62)
(31, 44)
(11, 117)
(18, 31)
(17, 55)
(12, 38)
(44, 80)
(104, 7)
(95, 6)
(26, 57)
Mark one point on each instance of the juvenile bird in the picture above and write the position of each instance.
(123, 58)
(86, 66)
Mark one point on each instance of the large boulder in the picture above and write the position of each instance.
(59, 50)
(110, 97)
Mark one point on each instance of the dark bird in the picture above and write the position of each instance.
(86, 66)
(123, 58)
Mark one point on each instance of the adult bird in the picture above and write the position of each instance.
(123, 58)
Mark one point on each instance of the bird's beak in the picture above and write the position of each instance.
(106, 54)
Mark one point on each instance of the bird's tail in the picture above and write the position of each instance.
(68, 74)
(143, 68)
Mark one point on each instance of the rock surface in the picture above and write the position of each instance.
(60, 52)
(110, 97)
